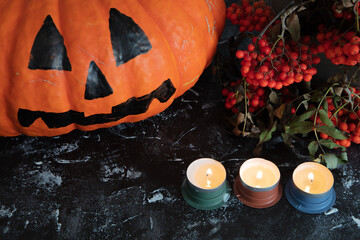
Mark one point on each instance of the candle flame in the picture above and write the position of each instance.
(208, 173)
(311, 177)
(259, 174)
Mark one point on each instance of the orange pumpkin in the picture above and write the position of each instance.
(71, 64)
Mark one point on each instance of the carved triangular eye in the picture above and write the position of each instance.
(48, 50)
(96, 84)
(127, 38)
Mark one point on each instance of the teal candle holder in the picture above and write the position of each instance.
(205, 186)
(205, 199)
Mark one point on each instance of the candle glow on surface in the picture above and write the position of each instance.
(206, 173)
(259, 173)
(313, 178)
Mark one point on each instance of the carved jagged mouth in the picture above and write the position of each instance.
(132, 106)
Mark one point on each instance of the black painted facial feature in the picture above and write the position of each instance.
(132, 106)
(48, 50)
(96, 84)
(127, 38)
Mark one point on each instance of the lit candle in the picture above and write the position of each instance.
(313, 178)
(206, 173)
(311, 188)
(259, 173)
(205, 186)
(258, 183)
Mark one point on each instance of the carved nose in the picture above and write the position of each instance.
(96, 84)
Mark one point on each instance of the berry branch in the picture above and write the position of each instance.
(272, 91)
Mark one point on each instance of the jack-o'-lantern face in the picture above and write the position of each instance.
(95, 66)
(128, 41)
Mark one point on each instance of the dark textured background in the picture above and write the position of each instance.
(124, 182)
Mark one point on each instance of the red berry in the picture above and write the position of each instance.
(240, 54)
(263, 69)
(316, 60)
(354, 49)
(228, 105)
(352, 127)
(343, 126)
(324, 136)
(251, 47)
(262, 43)
(353, 116)
(356, 139)
(260, 91)
(225, 91)
(245, 69)
(254, 102)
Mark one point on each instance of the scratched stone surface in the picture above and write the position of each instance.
(124, 182)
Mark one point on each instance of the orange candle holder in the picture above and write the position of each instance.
(258, 183)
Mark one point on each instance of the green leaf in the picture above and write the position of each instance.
(331, 160)
(329, 144)
(316, 97)
(343, 158)
(325, 105)
(266, 135)
(325, 119)
(313, 147)
(332, 132)
(300, 127)
(303, 116)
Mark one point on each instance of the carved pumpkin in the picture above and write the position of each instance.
(71, 64)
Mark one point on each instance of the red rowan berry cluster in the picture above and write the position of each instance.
(250, 17)
(340, 48)
(344, 117)
(276, 66)
(256, 98)
(231, 97)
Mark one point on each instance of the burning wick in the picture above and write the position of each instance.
(208, 182)
(311, 179)
(259, 176)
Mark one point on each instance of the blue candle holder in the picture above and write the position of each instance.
(309, 203)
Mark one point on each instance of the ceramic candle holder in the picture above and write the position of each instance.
(268, 191)
(302, 197)
(203, 188)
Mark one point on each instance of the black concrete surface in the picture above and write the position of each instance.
(124, 182)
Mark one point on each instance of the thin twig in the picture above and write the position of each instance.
(246, 109)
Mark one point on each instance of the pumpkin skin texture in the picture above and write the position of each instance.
(71, 64)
